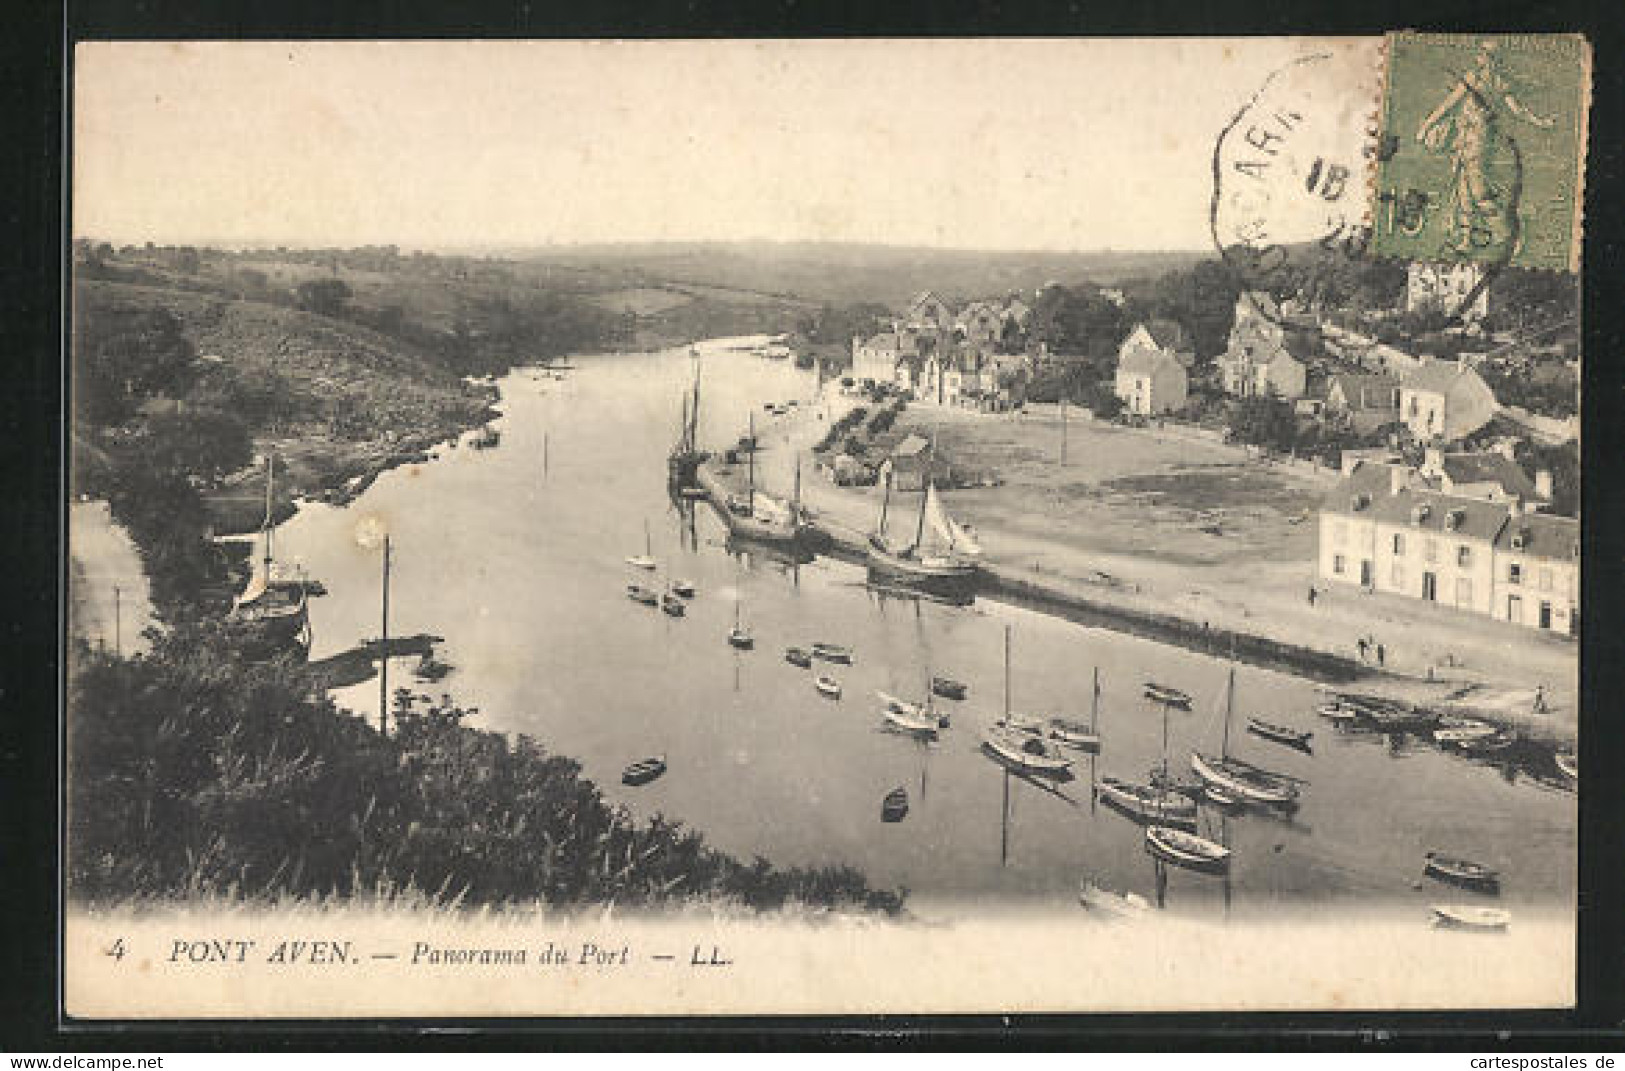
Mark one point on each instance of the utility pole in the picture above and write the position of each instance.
(118, 630)
(383, 652)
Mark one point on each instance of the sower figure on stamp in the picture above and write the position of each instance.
(1466, 126)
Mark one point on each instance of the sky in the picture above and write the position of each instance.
(979, 144)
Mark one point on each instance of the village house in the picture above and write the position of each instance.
(1444, 287)
(1151, 378)
(1443, 401)
(1384, 528)
(876, 358)
(1490, 475)
(979, 324)
(929, 312)
(1257, 361)
(1366, 401)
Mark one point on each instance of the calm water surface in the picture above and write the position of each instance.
(517, 557)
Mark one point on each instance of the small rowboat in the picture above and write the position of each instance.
(1337, 712)
(1462, 730)
(1219, 797)
(1462, 872)
(641, 561)
(1027, 751)
(1145, 803)
(1161, 693)
(1568, 764)
(828, 686)
(1280, 734)
(644, 770)
(740, 638)
(894, 806)
(797, 657)
(1488, 745)
(1075, 735)
(1112, 905)
(948, 688)
(692, 492)
(673, 606)
(639, 593)
(833, 652)
(1463, 917)
(1179, 848)
(683, 588)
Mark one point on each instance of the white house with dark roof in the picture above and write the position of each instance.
(1151, 377)
(1487, 474)
(1537, 573)
(1257, 360)
(1443, 401)
(927, 310)
(876, 358)
(1386, 529)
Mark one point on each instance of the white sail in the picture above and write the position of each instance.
(949, 530)
(257, 586)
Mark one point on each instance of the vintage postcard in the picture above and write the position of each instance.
(868, 526)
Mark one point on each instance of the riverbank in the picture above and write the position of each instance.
(1189, 542)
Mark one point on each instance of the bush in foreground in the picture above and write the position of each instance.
(194, 774)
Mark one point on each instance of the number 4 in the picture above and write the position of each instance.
(117, 951)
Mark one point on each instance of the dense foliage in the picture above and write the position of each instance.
(192, 772)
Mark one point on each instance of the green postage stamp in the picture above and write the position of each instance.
(1481, 151)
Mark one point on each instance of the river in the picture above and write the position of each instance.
(516, 555)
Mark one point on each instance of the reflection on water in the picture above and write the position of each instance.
(523, 570)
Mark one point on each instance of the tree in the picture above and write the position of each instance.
(199, 441)
(325, 297)
(123, 356)
(1264, 420)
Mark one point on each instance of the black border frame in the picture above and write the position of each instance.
(39, 52)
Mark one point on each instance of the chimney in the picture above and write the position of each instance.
(1396, 479)
(1543, 484)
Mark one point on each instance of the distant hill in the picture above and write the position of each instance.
(845, 273)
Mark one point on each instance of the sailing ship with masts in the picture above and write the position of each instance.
(1239, 780)
(272, 613)
(683, 463)
(940, 559)
(762, 517)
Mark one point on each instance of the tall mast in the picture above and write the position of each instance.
(884, 501)
(648, 545)
(1007, 673)
(751, 460)
(1229, 701)
(919, 527)
(270, 481)
(1094, 704)
(796, 504)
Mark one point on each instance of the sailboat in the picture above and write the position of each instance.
(943, 566)
(1018, 745)
(272, 613)
(739, 636)
(1241, 780)
(683, 463)
(1075, 734)
(1156, 803)
(757, 515)
(646, 559)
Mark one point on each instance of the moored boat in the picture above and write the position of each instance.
(1462, 872)
(1185, 849)
(798, 657)
(739, 636)
(908, 717)
(1244, 781)
(1147, 803)
(832, 652)
(646, 559)
(1469, 917)
(828, 687)
(948, 688)
(1493, 744)
(672, 605)
(683, 588)
(1568, 764)
(1027, 751)
(1074, 734)
(1110, 904)
(272, 613)
(1281, 734)
(1162, 693)
(895, 806)
(646, 596)
(1462, 730)
(943, 566)
(644, 770)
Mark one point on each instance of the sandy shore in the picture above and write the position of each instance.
(1161, 523)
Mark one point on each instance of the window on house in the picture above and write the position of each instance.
(1338, 564)
(1464, 556)
(1514, 573)
(1399, 543)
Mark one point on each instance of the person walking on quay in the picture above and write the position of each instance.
(1311, 594)
(1380, 654)
(1361, 646)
